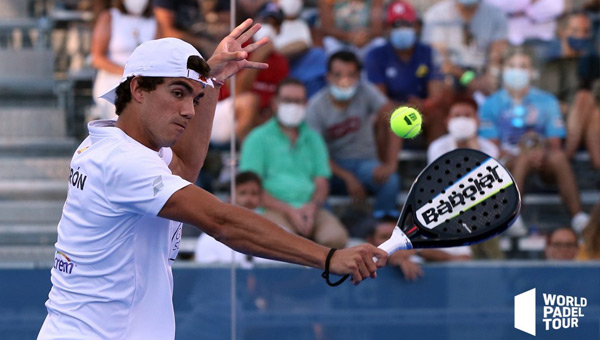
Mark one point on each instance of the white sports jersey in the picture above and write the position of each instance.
(112, 274)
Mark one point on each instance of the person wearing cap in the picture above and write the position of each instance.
(404, 70)
(129, 191)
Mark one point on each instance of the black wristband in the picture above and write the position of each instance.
(325, 274)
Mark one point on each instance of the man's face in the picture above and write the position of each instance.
(578, 26)
(166, 111)
(248, 195)
(343, 74)
(562, 246)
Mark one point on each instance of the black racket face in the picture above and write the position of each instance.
(463, 197)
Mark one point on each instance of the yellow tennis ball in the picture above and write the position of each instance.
(406, 122)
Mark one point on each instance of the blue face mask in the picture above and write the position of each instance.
(515, 78)
(403, 38)
(468, 2)
(342, 93)
(578, 44)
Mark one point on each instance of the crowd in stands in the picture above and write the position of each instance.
(516, 79)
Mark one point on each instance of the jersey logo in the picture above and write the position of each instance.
(422, 71)
(157, 184)
(63, 266)
(82, 149)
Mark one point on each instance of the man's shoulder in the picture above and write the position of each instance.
(540, 95)
(262, 131)
(319, 99)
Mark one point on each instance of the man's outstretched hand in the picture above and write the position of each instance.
(230, 57)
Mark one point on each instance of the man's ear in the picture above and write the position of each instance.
(137, 93)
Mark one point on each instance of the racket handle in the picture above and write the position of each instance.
(396, 242)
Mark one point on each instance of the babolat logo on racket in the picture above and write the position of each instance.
(471, 189)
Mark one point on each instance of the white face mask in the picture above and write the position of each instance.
(291, 8)
(462, 128)
(265, 31)
(135, 7)
(291, 115)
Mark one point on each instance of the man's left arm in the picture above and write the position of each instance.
(230, 57)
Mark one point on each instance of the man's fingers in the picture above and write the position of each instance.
(237, 32)
(256, 45)
(256, 65)
(248, 34)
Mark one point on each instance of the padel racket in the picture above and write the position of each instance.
(464, 197)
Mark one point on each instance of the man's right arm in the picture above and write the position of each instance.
(252, 234)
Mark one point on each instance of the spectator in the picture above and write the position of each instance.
(380, 233)
(403, 69)
(469, 35)
(255, 89)
(530, 21)
(571, 68)
(294, 41)
(590, 247)
(462, 123)
(527, 125)
(291, 160)
(185, 19)
(344, 113)
(248, 191)
(117, 32)
(355, 25)
(561, 245)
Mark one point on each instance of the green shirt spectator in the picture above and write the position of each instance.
(287, 171)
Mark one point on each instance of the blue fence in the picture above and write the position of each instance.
(452, 301)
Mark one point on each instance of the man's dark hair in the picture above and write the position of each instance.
(465, 99)
(345, 56)
(149, 84)
(247, 177)
(289, 81)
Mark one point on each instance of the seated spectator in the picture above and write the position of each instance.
(561, 245)
(117, 32)
(187, 20)
(469, 36)
(344, 113)
(248, 192)
(572, 67)
(292, 161)
(531, 21)
(352, 25)
(404, 70)
(380, 233)
(294, 41)
(527, 125)
(590, 247)
(254, 89)
(462, 123)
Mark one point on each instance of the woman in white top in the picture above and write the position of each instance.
(118, 31)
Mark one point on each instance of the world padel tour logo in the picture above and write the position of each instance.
(559, 312)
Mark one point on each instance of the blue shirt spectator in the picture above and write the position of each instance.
(506, 121)
(402, 79)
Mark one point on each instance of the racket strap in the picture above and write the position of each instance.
(325, 274)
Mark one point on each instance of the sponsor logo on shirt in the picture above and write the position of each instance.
(344, 128)
(77, 179)
(63, 266)
(157, 184)
(422, 71)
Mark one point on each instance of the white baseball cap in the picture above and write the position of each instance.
(165, 57)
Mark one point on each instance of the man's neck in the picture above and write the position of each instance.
(466, 12)
(132, 129)
(291, 132)
(405, 55)
(338, 103)
(518, 95)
